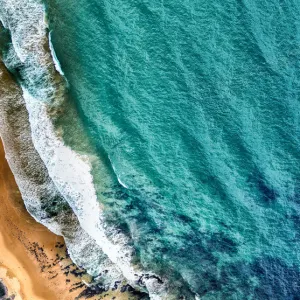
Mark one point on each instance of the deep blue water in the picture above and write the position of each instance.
(194, 107)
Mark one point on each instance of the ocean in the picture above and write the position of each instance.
(188, 113)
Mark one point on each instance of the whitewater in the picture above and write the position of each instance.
(162, 138)
(68, 174)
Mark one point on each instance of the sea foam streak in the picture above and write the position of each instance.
(54, 57)
(70, 172)
(39, 193)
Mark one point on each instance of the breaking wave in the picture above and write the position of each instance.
(57, 185)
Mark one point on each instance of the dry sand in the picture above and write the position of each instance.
(34, 263)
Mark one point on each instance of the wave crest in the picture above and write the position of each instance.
(43, 90)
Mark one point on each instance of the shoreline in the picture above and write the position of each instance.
(18, 231)
(44, 98)
(34, 264)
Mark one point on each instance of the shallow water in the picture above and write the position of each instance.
(194, 110)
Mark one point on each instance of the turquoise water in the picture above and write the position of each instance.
(194, 108)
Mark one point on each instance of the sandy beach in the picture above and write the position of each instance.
(34, 263)
(30, 255)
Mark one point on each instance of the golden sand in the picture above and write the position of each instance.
(34, 263)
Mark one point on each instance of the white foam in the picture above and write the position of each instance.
(119, 179)
(122, 183)
(72, 176)
(54, 57)
(70, 172)
(37, 188)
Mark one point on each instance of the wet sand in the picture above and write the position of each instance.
(34, 263)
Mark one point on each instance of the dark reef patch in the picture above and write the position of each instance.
(267, 192)
(3, 290)
(266, 278)
(5, 39)
(259, 184)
